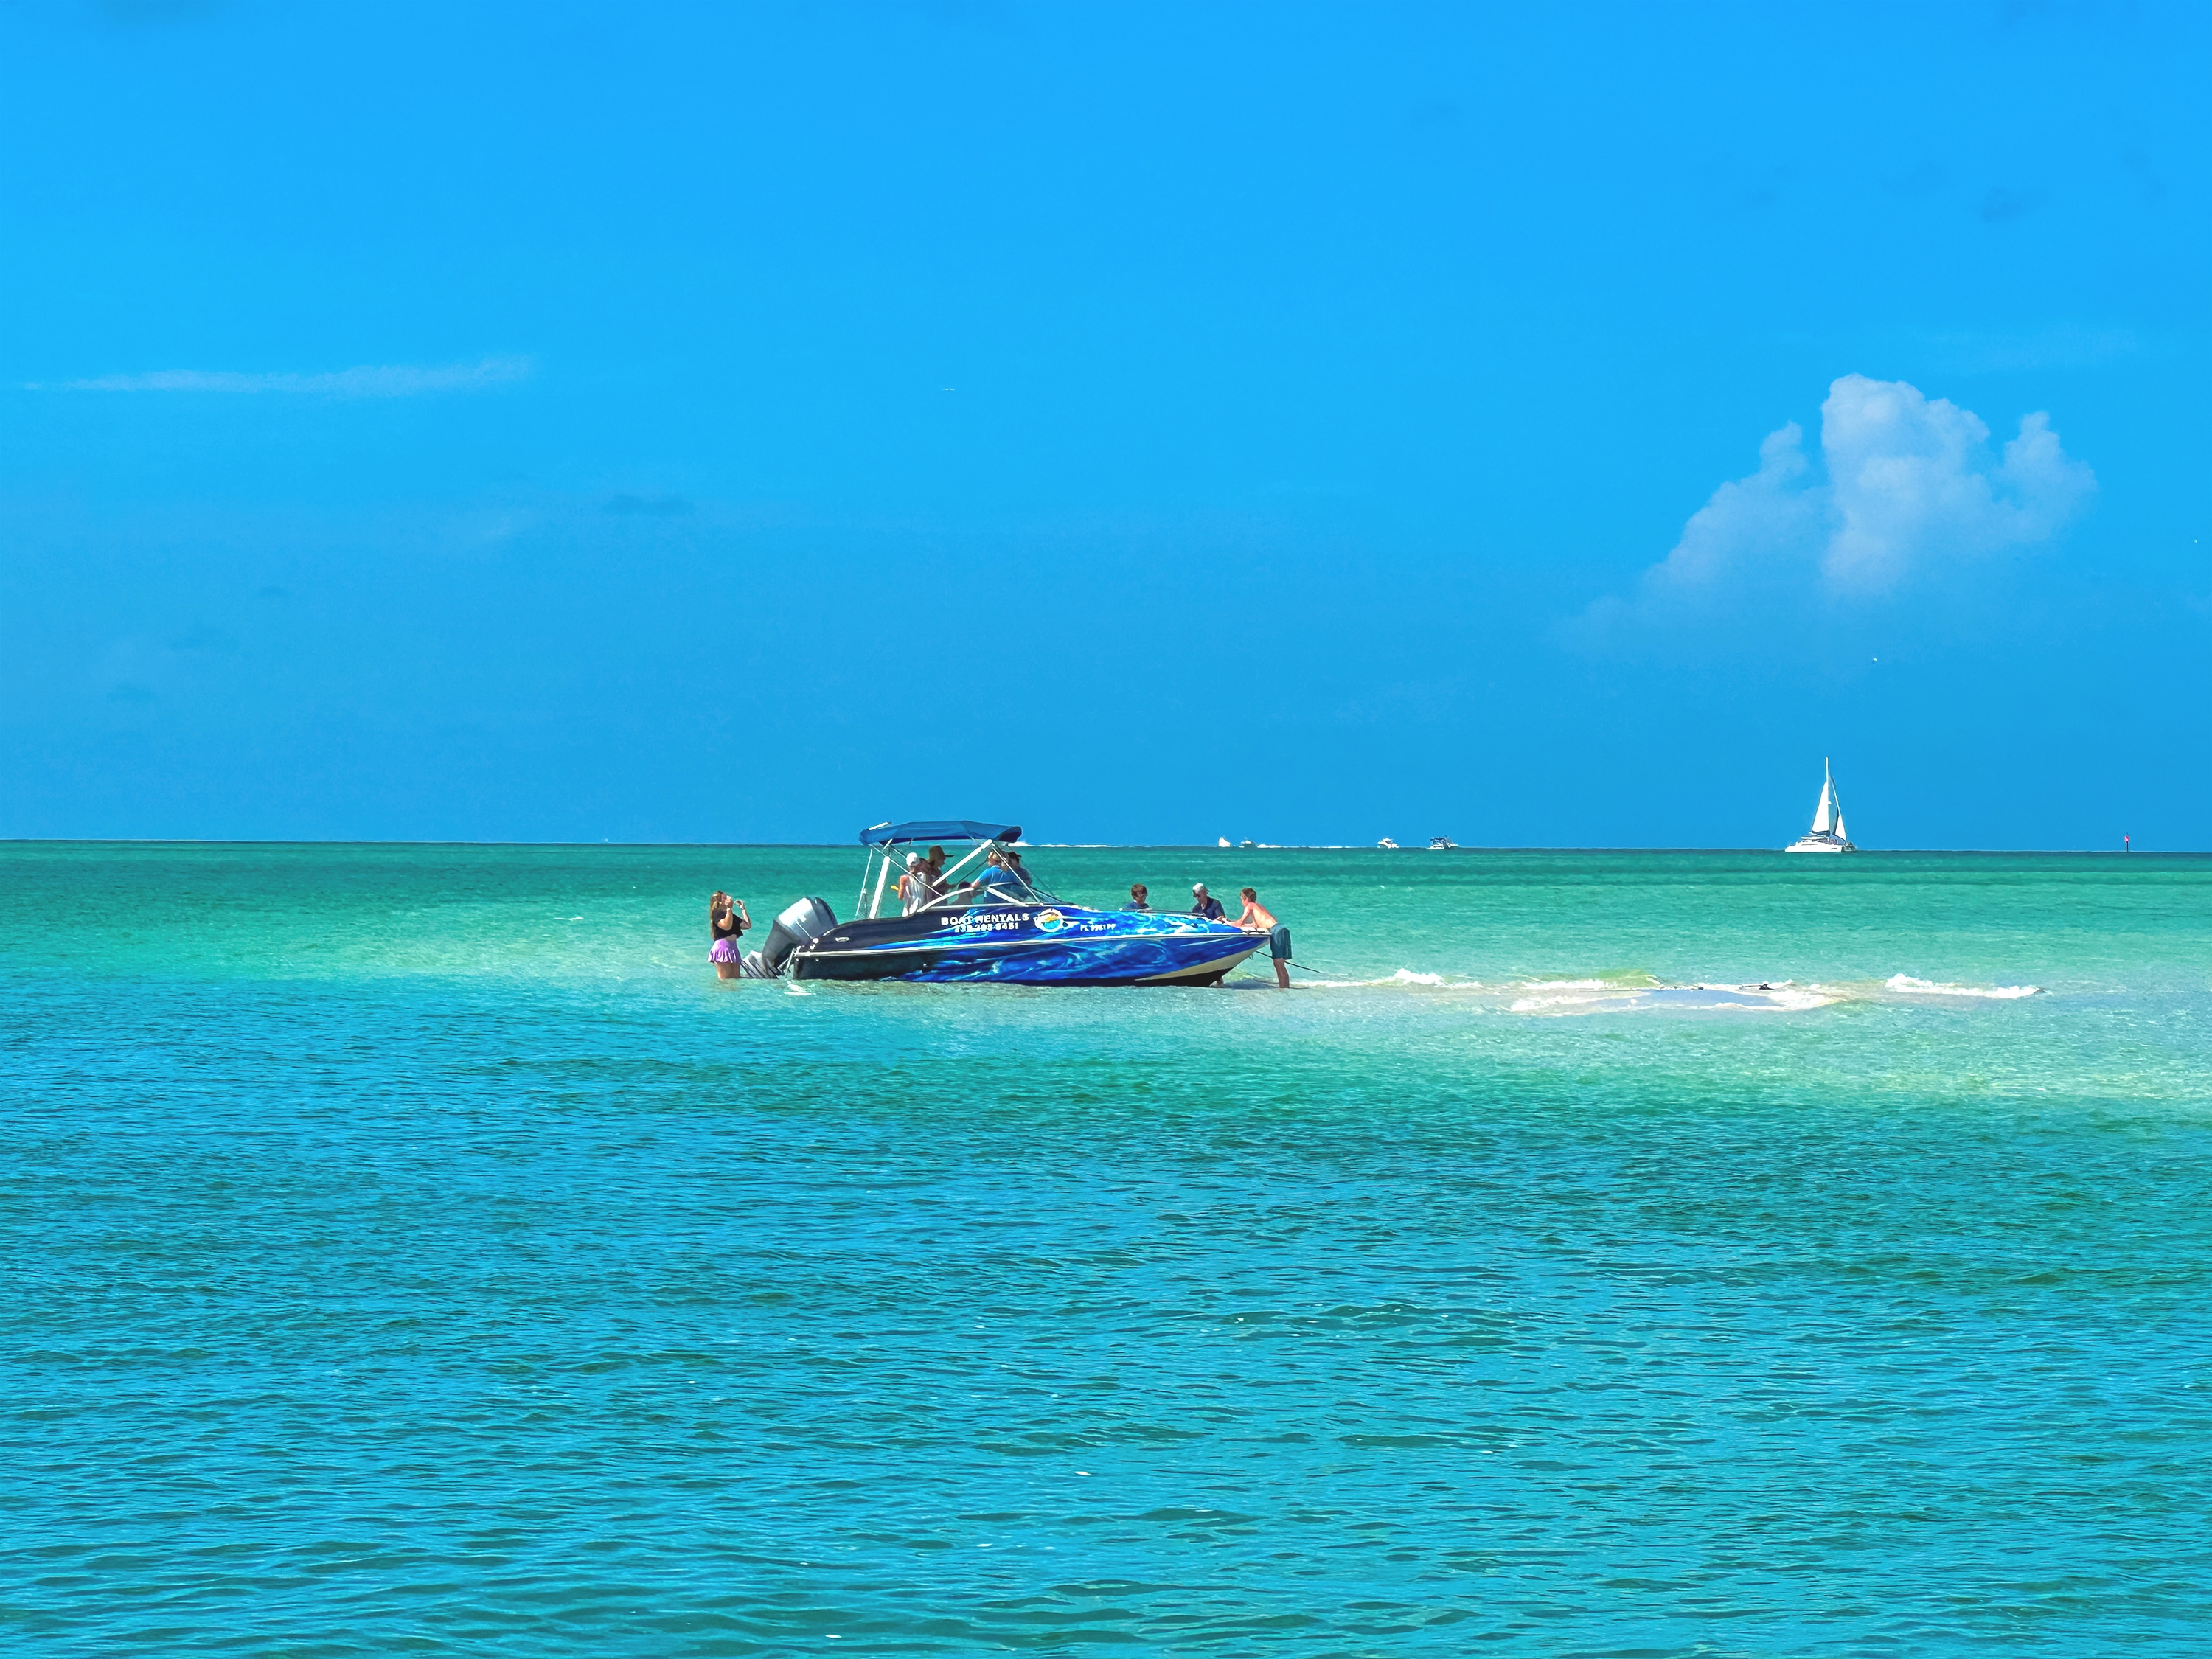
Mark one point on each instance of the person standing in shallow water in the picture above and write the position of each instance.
(1257, 918)
(727, 922)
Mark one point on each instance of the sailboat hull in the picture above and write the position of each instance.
(1821, 844)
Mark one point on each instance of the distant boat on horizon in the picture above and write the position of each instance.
(1387, 842)
(1442, 844)
(1827, 833)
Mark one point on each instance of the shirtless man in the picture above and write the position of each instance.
(1257, 918)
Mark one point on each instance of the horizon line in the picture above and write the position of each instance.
(1075, 847)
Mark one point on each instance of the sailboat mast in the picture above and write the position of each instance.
(1827, 833)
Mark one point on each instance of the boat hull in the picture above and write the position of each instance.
(1028, 944)
(1819, 843)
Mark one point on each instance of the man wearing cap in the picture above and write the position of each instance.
(1205, 903)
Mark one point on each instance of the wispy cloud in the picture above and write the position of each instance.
(2003, 203)
(655, 506)
(1911, 489)
(2063, 346)
(374, 381)
(156, 11)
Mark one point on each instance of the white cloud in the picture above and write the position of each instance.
(376, 380)
(1911, 489)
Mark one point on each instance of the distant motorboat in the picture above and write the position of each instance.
(1247, 843)
(1224, 841)
(1827, 833)
(1442, 844)
(1387, 843)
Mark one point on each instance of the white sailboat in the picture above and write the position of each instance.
(1827, 833)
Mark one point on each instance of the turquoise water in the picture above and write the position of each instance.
(418, 1249)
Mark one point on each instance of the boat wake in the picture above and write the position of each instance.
(1908, 986)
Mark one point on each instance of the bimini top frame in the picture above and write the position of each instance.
(879, 839)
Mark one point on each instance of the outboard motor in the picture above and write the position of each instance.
(801, 923)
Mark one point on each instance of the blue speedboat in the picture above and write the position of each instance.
(989, 921)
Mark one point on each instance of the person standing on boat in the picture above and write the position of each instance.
(1140, 897)
(1203, 903)
(726, 921)
(1257, 918)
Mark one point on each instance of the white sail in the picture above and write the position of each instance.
(1827, 833)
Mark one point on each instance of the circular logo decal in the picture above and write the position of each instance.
(1049, 922)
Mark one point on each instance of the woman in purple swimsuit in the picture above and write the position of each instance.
(726, 920)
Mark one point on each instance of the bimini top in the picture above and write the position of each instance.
(895, 835)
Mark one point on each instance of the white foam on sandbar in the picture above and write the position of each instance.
(1908, 986)
(1764, 999)
(1404, 976)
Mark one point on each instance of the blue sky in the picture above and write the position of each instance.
(1544, 426)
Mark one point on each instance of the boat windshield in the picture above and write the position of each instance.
(969, 879)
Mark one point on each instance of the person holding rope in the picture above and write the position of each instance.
(1257, 918)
